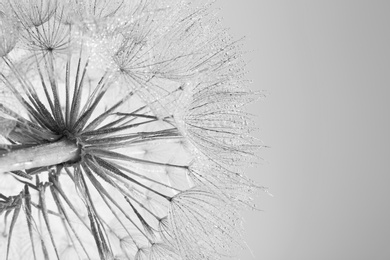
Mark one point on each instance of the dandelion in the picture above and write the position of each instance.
(122, 128)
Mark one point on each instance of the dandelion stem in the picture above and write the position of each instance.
(39, 156)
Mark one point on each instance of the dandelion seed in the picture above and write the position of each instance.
(121, 131)
(33, 12)
(8, 33)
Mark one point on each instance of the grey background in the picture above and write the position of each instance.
(326, 65)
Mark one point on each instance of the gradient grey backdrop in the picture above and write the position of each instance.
(326, 65)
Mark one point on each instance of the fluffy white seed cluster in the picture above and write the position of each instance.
(121, 131)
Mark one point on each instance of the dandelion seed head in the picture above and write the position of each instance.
(122, 131)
